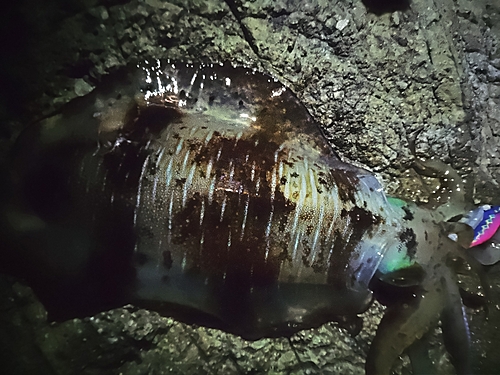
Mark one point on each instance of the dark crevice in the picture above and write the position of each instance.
(429, 50)
(246, 32)
(380, 7)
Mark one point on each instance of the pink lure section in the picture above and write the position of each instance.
(487, 228)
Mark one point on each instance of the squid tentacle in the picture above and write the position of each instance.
(418, 352)
(461, 234)
(450, 199)
(401, 324)
(455, 328)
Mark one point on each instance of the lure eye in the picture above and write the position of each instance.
(459, 232)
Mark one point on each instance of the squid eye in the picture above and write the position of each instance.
(405, 277)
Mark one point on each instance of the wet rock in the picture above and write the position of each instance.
(82, 87)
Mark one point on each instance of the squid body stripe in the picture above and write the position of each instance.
(268, 232)
(245, 214)
(202, 212)
(313, 190)
(168, 173)
(223, 207)
(179, 146)
(187, 185)
(139, 188)
(319, 226)
(185, 162)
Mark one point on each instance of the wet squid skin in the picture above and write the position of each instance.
(212, 189)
